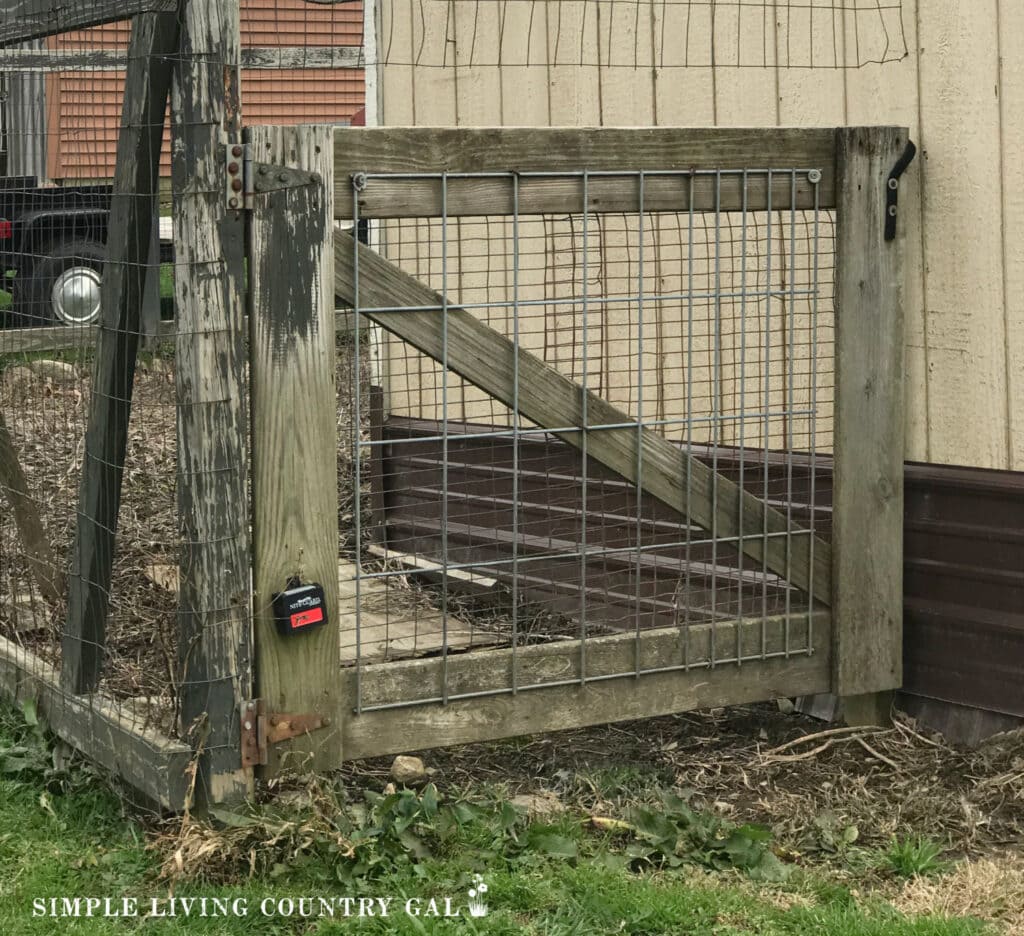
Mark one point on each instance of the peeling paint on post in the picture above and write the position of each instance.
(214, 635)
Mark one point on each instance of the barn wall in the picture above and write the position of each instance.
(960, 90)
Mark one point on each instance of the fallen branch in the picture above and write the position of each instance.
(829, 733)
(877, 755)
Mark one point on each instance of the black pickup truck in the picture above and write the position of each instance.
(52, 250)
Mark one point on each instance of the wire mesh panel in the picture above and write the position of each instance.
(494, 521)
(123, 609)
(471, 34)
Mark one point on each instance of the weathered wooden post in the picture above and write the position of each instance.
(133, 214)
(214, 633)
(294, 435)
(867, 518)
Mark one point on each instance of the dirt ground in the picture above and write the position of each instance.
(830, 795)
(805, 778)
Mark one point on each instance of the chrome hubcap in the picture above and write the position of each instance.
(76, 296)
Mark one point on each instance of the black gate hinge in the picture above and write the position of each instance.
(245, 178)
(892, 189)
(260, 729)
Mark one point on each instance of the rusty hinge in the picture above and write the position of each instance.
(245, 178)
(260, 729)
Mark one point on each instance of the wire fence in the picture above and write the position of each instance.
(64, 113)
(463, 523)
(480, 528)
(641, 33)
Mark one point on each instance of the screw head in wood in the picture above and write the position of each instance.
(248, 726)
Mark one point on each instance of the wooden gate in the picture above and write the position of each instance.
(591, 383)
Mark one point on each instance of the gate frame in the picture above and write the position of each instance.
(862, 653)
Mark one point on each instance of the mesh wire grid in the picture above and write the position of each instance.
(62, 99)
(477, 528)
(470, 34)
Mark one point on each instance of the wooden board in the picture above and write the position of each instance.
(100, 728)
(294, 432)
(134, 207)
(500, 714)
(32, 19)
(391, 625)
(396, 197)
(17, 341)
(465, 580)
(391, 150)
(257, 59)
(489, 361)
(867, 508)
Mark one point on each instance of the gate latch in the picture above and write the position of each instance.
(892, 189)
(260, 729)
(246, 178)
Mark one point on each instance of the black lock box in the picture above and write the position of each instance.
(299, 609)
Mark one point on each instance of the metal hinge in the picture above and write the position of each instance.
(245, 178)
(260, 729)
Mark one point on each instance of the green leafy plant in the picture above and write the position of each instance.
(914, 857)
(675, 834)
(829, 833)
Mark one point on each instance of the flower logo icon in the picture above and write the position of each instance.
(477, 901)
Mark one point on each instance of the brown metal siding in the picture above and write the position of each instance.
(963, 548)
(85, 107)
(547, 493)
(963, 621)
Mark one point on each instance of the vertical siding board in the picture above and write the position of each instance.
(1011, 93)
(960, 118)
(575, 98)
(524, 88)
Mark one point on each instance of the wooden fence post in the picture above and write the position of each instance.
(867, 545)
(214, 631)
(294, 434)
(133, 214)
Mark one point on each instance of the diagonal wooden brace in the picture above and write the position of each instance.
(486, 359)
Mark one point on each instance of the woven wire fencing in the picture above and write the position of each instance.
(479, 529)
(641, 33)
(62, 116)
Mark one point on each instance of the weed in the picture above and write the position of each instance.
(914, 857)
(675, 833)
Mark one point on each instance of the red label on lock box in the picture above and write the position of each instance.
(305, 618)
(299, 609)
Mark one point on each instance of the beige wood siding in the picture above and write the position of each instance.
(960, 90)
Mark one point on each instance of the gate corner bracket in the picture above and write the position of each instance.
(892, 189)
(260, 729)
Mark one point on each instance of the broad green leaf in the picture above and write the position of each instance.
(557, 846)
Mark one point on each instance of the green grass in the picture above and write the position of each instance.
(62, 833)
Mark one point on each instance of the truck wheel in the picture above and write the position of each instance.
(64, 287)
